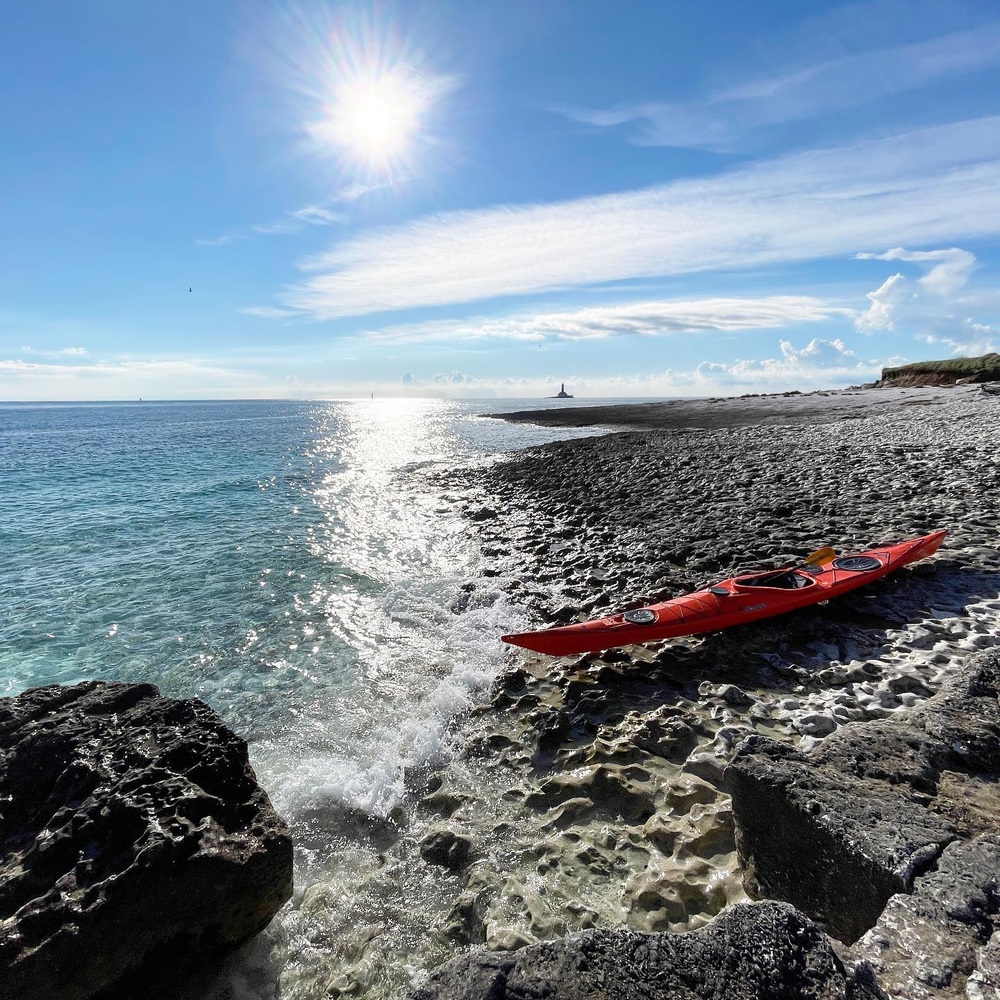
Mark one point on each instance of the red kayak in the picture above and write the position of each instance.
(735, 601)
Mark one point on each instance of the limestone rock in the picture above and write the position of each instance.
(841, 829)
(135, 841)
(446, 848)
(933, 941)
(766, 951)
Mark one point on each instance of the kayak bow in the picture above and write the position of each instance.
(736, 601)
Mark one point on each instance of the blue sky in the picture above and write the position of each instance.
(437, 198)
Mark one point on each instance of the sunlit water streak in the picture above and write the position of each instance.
(290, 563)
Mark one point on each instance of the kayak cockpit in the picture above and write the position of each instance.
(784, 579)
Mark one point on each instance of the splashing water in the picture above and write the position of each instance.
(294, 565)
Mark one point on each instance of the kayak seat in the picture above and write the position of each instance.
(782, 580)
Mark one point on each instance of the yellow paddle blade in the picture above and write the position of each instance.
(819, 557)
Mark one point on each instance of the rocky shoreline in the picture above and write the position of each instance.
(629, 767)
(802, 807)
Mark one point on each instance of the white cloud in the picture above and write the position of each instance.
(75, 351)
(283, 227)
(927, 186)
(223, 240)
(820, 353)
(319, 214)
(820, 364)
(886, 302)
(268, 312)
(648, 319)
(120, 379)
(935, 307)
(813, 88)
(950, 269)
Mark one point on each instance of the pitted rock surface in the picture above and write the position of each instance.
(134, 840)
(765, 951)
(839, 830)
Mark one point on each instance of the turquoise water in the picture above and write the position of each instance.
(277, 559)
(294, 564)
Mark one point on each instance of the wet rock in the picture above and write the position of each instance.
(511, 682)
(565, 614)
(931, 942)
(135, 840)
(552, 727)
(761, 950)
(470, 912)
(840, 830)
(815, 724)
(672, 739)
(708, 766)
(446, 848)
(729, 693)
(611, 789)
(445, 803)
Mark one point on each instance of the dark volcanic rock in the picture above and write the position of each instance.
(135, 841)
(765, 951)
(840, 830)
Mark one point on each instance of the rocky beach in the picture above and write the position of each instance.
(618, 770)
(801, 807)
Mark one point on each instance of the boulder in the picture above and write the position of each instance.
(135, 841)
(766, 951)
(840, 830)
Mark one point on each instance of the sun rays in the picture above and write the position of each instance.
(375, 119)
(376, 104)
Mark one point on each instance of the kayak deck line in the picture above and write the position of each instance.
(738, 600)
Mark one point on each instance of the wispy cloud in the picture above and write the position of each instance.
(121, 379)
(62, 352)
(282, 227)
(718, 121)
(820, 363)
(647, 319)
(935, 307)
(223, 240)
(931, 185)
(268, 312)
(318, 215)
(322, 213)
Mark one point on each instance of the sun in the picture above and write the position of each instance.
(375, 102)
(375, 118)
(379, 117)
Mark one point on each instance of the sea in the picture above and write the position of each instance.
(302, 567)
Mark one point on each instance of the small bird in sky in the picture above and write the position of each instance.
(189, 289)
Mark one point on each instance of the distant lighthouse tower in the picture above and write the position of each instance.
(563, 394)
